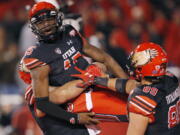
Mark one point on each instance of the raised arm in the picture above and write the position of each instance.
(101, 56)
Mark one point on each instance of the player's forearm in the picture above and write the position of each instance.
(101, 56)
(40, 86)
(46, 106)
(68, 91)
(54, 110)
(114, 67)
(40, 82)
(114, 84)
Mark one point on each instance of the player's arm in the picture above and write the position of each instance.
(94, 74)
(137, 124)
(68, 91)
(101, 56)
(58, 95)
(142, 107)
(41, 90)
(117, 84)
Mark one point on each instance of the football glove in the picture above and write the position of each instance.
(87, 75)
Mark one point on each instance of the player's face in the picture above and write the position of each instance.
(46, 26)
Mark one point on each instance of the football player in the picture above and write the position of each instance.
(51, 62)
(154, 100)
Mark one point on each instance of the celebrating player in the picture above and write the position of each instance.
(51, 62)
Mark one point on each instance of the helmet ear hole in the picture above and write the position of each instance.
(163, 65)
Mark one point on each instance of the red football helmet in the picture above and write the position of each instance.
(44, 11)
(148, 60)
(40, 7)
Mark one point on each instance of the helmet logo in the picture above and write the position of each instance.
(153, 53)
(143, 57)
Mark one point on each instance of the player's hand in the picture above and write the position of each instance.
(88, 75)
(87, 118)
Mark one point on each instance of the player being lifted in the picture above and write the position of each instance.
(51, 62)
(154, 99)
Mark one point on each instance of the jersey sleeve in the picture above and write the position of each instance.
(31, 59)
(144, 101)
(31, 63)
(27, 63)
(25, 66)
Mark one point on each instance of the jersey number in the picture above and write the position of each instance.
(174, 115)
(152, 90)
(67, 62)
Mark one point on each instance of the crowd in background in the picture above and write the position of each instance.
(117, 26)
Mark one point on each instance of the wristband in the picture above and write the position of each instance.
(121, 85)
(101, 81)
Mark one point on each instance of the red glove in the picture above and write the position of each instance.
(88, 75)
(26, 77)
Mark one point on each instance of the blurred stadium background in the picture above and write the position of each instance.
(116, 26)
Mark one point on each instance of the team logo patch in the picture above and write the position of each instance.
(70, 107)
(72, 120)
(58, 51)
(72, 33)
